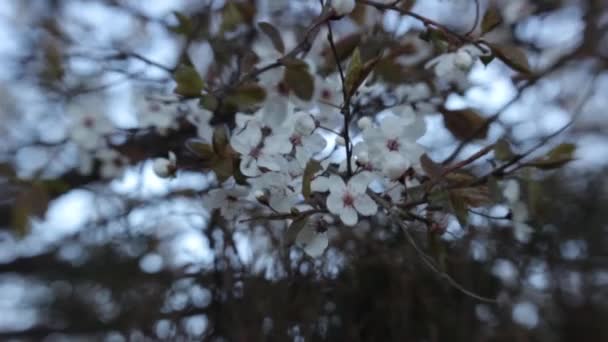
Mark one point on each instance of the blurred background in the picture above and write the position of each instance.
(95, 246)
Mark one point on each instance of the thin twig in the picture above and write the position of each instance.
(346, 105)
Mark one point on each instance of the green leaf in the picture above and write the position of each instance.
(491, 20)
(274, 35)
(312, 167)
(458, 207)
(231, 17)
(246, 95)
(300, 81)
(353, 72)
(184, 25)
(473, 196)
(221, 140)
(344, 48)
(465, 124)
(209, 102)
(502, 150)
(557, 157)
(294, 228)
(202, 150)
(432, 169)
(189, 82)
(512, 56)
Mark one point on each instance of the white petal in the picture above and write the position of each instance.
(313, 243)
(334, 203)
(249, 166)
(320, 184)
(416, 129)
(336, 185)
(358, 184)
(270, 162)
(314, 143)
(392, 127)
(349, 216)
(365, 205)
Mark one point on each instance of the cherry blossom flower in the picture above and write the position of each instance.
(312, 241)
(88, 128)
(230, 199)
(113, 163)
(165, 168)
(346, 200)
(303, 137)
(254, 152)
(161, 116)
(395, 134)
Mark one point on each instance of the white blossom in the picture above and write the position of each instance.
(89, 127)
(346, 200)
(113, 163)
(254, 152)
(161, 116)
(230, 200)
(313, 242)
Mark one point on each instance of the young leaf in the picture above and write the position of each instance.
(294, 228)
(502, 150)
(184, 25)
(246, 95)
(465, 124)
(490, 20)
(300, 81)
(557, 157)
(274, 35)
(311, 168)
(189, 82)
(432, 169)
(353, 72)
(512, 56)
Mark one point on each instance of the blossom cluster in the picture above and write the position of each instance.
(301, 156)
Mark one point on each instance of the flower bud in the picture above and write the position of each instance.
(463, 60)
(165, 168)
(364, 123)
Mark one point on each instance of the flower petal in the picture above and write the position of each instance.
(334, 203)
(365, 205)
(349, 216)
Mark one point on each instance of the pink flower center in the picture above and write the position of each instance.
(325, 94)
(296, 140)
(266, 131)
(255, 152)
(392, 144)
(88, 122)
(348, 200)
(282, 88)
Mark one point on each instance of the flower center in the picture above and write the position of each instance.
(255, 152)
(282, 88)
(392, 144)
(88, 122)
(325, 94)
(266, 131)
(296, 140)
(348, 200)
